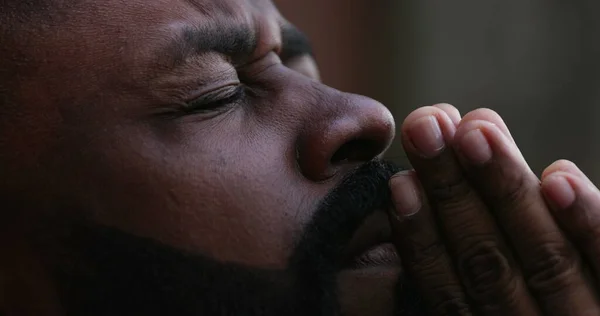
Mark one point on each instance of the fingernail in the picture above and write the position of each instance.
(475, 147)
(427, 137)
(559, 191)
(405, 194)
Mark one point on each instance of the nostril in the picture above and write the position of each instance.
(357, 150)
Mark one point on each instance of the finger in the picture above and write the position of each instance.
(566, 166)
(575, 202)
(426, 131)
(484, 264)
(423, 254)
(551, 266)
(490, 116)
(453, 112)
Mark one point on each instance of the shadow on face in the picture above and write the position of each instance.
(179, 155)
(132, 275)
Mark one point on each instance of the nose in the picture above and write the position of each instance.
(346, 130)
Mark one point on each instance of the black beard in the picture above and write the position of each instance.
(129, 275)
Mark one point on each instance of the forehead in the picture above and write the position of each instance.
(138, 16)
(232, 9)
(148, 20)
(92, 41)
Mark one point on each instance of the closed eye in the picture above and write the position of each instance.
(216, 99)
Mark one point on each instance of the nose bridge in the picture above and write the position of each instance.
(327, 106)
(328, 102)
(303, 103)
(336, 115)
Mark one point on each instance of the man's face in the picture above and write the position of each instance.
(181, 155)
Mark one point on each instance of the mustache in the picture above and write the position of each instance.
(316, 257)
(127, 271)
(342, 211)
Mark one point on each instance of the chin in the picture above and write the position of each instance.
(371, 280)
(370, 276)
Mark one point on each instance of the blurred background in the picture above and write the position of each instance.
(536, 62)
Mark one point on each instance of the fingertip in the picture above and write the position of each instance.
(444, 120)
(406, 194)
(475, 147)
(484, 114)
(489, 115)
(558, 190)
(479, 142)
(564, 166)
(426, 131)
(452, 112)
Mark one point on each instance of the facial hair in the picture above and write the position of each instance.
(130, 275)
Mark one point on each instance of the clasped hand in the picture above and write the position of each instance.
(480, 233)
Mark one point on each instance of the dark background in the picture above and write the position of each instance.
(536, 62)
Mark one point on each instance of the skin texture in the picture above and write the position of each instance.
(144, 176)
(479, 232)
(97, 133)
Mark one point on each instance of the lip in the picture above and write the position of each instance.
(371, 245)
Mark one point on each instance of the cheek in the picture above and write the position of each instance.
(230, 195)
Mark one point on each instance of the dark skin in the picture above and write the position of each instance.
(118, 145)
(480, 233)
(175, 157)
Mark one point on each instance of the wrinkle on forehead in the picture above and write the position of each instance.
(98, 45)
(116, 41)
(225, 8)
(260, 17)
(236, 9)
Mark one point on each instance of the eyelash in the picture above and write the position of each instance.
(216, 100)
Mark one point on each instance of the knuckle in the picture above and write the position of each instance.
(589, 235)
(586, 228)
(433, 269)
(449, 191)
(487, 273)
(553, 269)
(427, 256)
(512, 186)
(513, 191)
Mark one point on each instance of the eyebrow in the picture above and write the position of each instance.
(234, 41)
(295, 43)
(237, 42)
